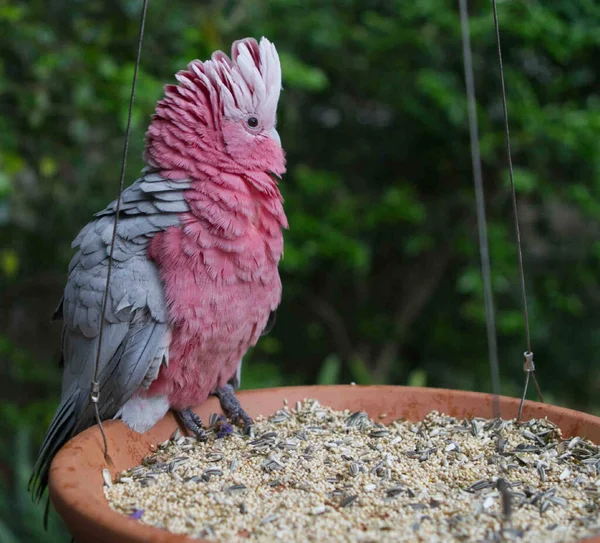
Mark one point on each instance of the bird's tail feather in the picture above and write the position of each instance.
(60, 431)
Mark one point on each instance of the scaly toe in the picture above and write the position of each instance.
(193, 423)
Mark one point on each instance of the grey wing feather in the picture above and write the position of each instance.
(166, 195)
(136, 333)
(172, 207)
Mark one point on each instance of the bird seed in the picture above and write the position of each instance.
(316, 474)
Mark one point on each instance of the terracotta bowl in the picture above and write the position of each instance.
(76, 486)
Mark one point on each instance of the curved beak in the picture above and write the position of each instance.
(273, 134)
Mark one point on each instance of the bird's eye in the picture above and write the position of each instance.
(252, 122)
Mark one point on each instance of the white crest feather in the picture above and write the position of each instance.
(245, 84)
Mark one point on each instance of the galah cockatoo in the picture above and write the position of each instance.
(194, 281)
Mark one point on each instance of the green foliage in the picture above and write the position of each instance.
(381, 271)
(329, 374)
(417, 378)
(20, 519)
(261, 374)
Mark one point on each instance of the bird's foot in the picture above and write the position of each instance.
(193, 423)
(232, 408)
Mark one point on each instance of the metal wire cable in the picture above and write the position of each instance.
(95, 388)
(488, 295)
(529, 367)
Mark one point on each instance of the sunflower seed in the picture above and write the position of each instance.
(558, 500)
(214, 457)
(237, 489)
(476, 427)
(268, 518)
(379, 433)
(480, 485)
(395, 491)
(107, 478)
(545, 505)
(534, 437)
(346, 502)
(452, 446)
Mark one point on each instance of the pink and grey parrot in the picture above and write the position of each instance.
(195, 280)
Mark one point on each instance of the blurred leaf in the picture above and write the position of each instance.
(525, 180)
(269, 345)
(48, 166)
(299, 75)
(260, 375)
(329, 374)
(398, 203)
(360, 372)
(315, 182)
(417, 378)
(5, 186)
(9, 262)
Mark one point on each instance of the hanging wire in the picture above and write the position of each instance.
(528, 365)
(95, 390)
(486, 274)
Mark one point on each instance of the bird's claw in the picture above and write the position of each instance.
(247, 423)
(232, 408)
(193, 423)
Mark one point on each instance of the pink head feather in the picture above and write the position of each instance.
(221, 114)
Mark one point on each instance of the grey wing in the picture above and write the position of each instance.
(135, 333)
(134, 328)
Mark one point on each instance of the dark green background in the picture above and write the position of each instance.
(381, 270)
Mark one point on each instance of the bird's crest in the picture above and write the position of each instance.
(249, 81)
